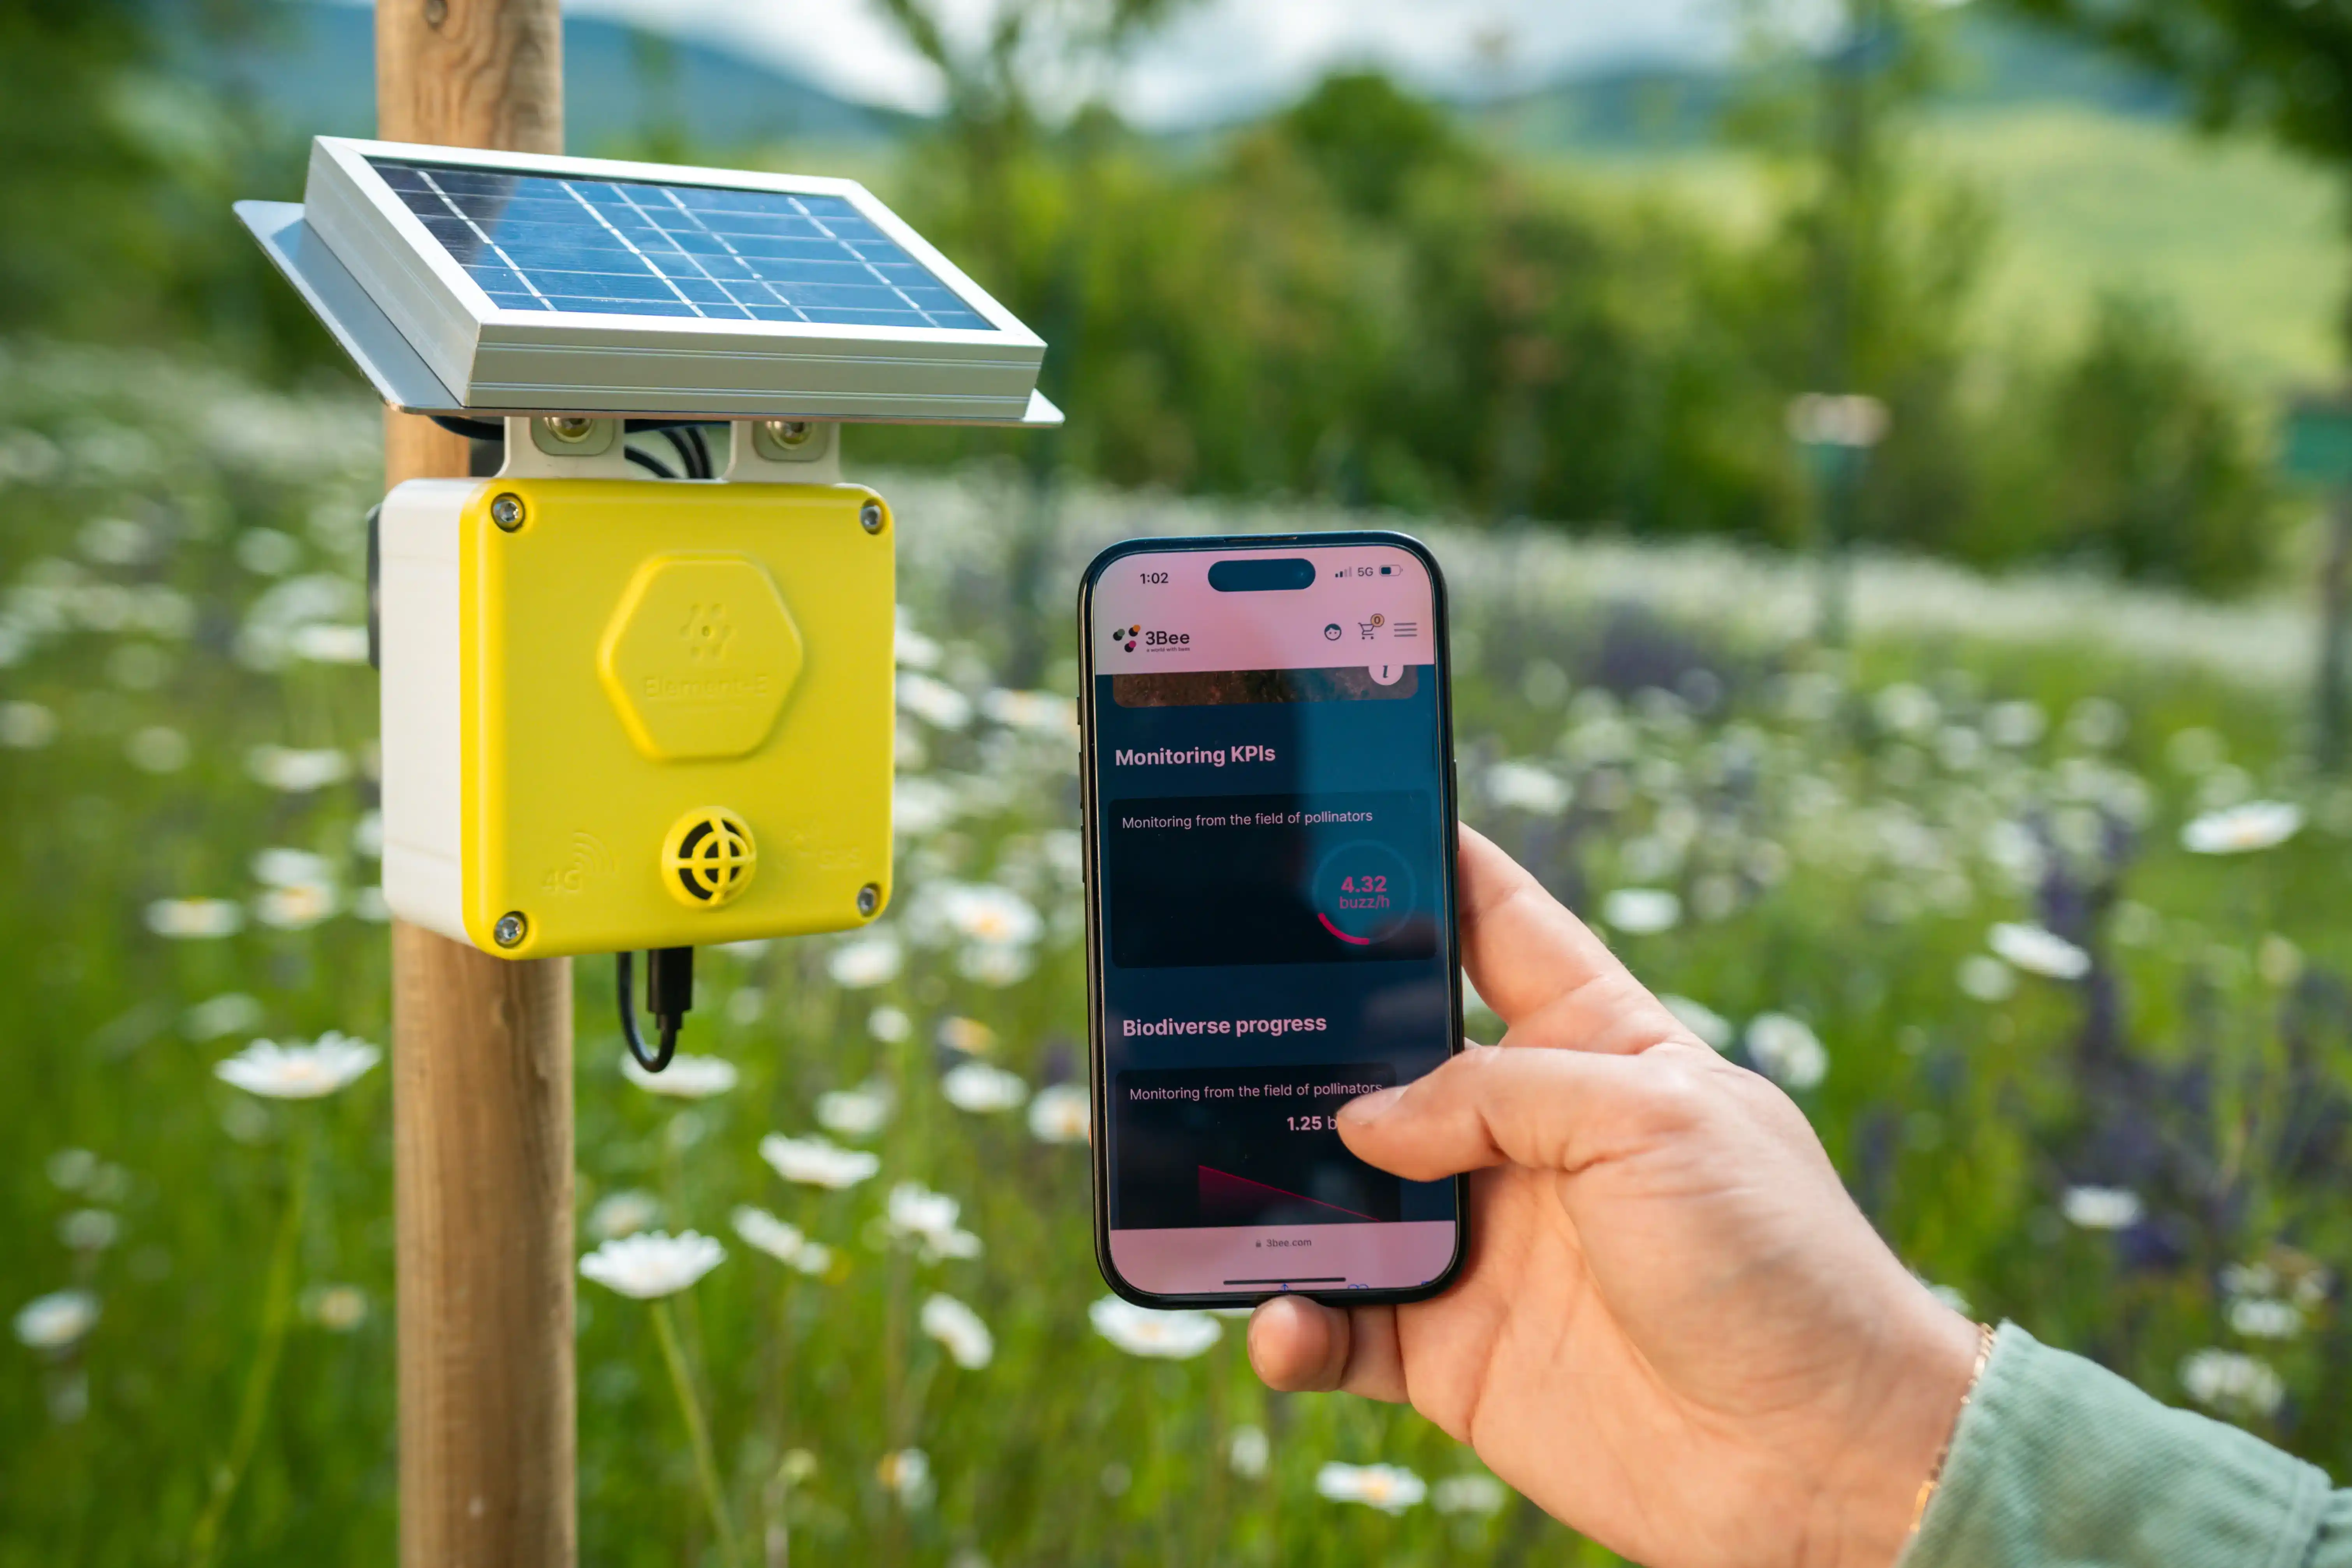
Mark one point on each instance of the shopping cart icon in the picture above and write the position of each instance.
(1372, 625)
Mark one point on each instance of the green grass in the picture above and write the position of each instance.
(1843, 829)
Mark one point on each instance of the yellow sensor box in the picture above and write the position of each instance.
(624, 714)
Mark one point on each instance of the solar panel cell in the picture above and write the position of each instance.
(576, 246)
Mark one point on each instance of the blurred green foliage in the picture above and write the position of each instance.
(1354, 299)
(116, 175)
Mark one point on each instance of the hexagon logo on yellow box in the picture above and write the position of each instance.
(699, 656)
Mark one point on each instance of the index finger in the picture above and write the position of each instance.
(1542, 969)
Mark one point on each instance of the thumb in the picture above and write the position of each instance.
(1563, 1110)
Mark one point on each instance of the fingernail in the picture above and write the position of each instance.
(1371, 1106)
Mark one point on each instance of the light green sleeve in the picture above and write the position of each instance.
(2058, 1463)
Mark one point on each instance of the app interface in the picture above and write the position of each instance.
(1270, 841)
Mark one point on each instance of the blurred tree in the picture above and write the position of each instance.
(1864, 287)
(115, 188)
(1370, 139)
(2283, 67)
(2131, 453)
(1025, 52)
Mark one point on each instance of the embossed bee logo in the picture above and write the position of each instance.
(707, 633)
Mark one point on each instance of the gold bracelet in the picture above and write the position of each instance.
(1936, 1471)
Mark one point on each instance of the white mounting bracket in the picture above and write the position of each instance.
(784, 452)
(554, 446)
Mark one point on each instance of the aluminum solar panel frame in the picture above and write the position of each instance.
(798, 349)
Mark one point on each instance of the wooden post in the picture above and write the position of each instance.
(481, 1048)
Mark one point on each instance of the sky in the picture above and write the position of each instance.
(1223, 56)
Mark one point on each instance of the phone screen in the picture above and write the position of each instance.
(1273, 925)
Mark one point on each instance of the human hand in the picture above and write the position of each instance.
(1675, 1331)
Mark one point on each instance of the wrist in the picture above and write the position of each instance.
(1909, 1402)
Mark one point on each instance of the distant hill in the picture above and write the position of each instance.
(1994, 63)
(312, 67)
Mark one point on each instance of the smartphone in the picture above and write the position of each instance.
(1268, 776)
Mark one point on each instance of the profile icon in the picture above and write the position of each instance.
(1332, 632)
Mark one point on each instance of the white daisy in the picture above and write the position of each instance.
(932, 701)
(760, 1229)
(686, 1076)
(907, 1475)
(2257, 824)
(1700, 1019)
(889, 1025)
(996, 964)
(295, 1071)
(814, 1163)
(1044, 713)
(57, 1321)
(858, 1112)
(323, 644)
(283, 867)
(1392, 1489)
(293, 772)
(1138, 1331)
(915, 1212)
(986, 914)
(969, 1035)
(919, 806)
(1640, 912)
(979, 1087)
(338, 1308)
(2230, 1380)
(1528, 787)
(1249, 1451)
(295, 908)
(874, 959)
(1061, 1113)
(653, 1264)
(1786, 1050)
(959, 1328)
(195, 919)
(2101, 1208)
(2264, 1318)
(2038, 951)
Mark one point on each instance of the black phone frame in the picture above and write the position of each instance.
(1097, 1041)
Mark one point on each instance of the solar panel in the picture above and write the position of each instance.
(537, 242)
(531, 283)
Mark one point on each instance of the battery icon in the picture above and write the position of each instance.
(1386, 570)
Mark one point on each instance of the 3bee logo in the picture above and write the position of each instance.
(1126, 635)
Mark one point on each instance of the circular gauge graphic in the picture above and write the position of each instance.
(1364, 892)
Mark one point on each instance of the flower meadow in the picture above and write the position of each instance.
(2027, 898)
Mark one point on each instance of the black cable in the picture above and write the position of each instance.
(666, 1023)
(680, 437)
(496, 429)
(472, 429)
(702, 445)
(648, 460)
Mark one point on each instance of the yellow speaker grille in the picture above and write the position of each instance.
(708, 858)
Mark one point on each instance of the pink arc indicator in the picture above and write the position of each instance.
(1364, 892)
